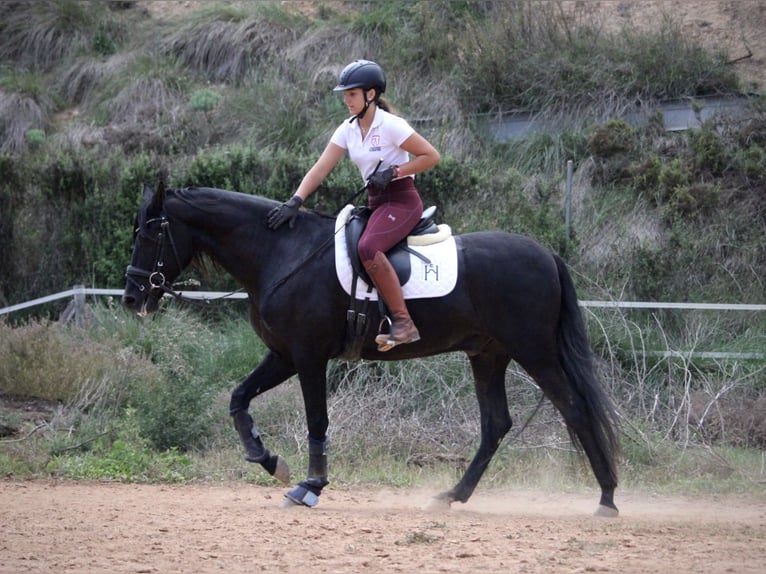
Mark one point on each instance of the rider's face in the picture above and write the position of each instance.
(354, 99)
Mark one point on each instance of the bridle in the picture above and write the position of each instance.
(158, 284)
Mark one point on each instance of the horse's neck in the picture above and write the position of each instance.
(232, 231)
(222, 227)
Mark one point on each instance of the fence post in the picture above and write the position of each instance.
(76, 307)
(568, 203)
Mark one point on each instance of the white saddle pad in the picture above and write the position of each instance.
(434, 279)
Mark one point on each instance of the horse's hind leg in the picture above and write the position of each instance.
(583, 426)
(489, 380)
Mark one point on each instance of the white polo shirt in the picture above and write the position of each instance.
(387, 133)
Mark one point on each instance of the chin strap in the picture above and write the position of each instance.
(360, 115)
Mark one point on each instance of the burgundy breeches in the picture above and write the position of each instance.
(395, 212)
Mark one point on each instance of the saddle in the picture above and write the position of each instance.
(399, 254)
(426, 232)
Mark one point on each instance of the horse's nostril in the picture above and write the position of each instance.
(128, 300)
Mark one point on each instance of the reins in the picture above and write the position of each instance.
(351, 199)
(279, 282)
(158, 282)
(323, 245)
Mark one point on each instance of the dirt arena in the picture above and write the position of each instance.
(105, 527)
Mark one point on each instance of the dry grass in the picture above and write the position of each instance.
(227, 45)
(50, 361)
(80, 82)
(40, 34)
(20, 113)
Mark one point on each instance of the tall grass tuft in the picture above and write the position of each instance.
(47, 360)
(37, 35)
(19, 114)
(227, 44)
(539, 56)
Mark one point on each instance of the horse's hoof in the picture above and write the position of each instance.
(606, 512)
(439, 504)
(301, 495)
(282, 471)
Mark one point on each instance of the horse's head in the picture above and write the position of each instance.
(159, 254)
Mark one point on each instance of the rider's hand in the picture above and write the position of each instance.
(380, 179)
(288, 211)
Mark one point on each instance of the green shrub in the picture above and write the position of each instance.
(701, 198)
(612, 138)
(709, 151)
(194, 361)
(204, 100)
(128, 458)
(35, 138)
(752, 160)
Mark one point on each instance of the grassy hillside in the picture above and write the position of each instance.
(98, 97)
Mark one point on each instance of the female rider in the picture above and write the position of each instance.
(388, 153)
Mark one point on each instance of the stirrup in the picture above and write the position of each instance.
(386, 341)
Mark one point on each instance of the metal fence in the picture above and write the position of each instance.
(79, 292)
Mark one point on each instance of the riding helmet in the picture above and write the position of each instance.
(362, 74)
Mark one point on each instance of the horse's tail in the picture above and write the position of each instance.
(577, 360)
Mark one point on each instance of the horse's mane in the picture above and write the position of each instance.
(234, 206)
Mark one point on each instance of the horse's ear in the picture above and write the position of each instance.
(155, 198)
(148, 193)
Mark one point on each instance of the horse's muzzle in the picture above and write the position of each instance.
(143, 290)
(142, 304)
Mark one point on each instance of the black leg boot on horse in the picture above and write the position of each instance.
(384, 278)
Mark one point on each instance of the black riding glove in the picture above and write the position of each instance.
(380, 179)
(288, 211)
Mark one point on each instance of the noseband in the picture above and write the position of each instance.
(156, 278)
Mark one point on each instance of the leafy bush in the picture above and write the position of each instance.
(204, 100)
(196, 362)
(613, 137)
(128, 458)
(709, 151)
(45, 360)
(752, 159)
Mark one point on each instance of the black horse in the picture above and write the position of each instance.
(513, 299)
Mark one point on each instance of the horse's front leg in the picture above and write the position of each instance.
(272, 371)
(314, 388)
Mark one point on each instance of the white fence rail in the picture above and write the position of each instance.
(659, 305)
(79, 292)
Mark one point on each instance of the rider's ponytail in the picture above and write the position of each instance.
(384, 105)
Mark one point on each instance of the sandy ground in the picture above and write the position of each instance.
(102, 527)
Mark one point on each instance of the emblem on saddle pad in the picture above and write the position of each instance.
(426, 266)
